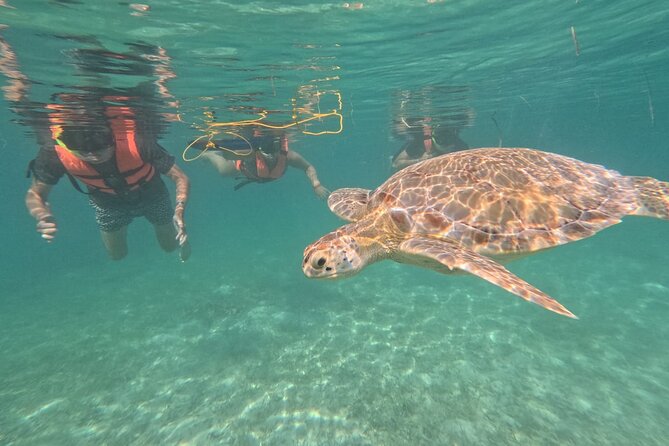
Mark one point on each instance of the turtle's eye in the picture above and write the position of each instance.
(318, 264)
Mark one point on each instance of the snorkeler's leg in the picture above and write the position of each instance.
(116, 242)
(166, 236)
(113, 224)
(225, 167)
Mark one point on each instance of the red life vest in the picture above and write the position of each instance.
(263, 172)
(427, 138)
(129, 162)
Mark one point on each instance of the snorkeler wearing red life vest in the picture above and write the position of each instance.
(260, 157)
(121, 169)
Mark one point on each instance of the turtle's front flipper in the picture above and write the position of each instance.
(437, 254)
(349, 203)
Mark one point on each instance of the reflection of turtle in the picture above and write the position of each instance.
(458, 211)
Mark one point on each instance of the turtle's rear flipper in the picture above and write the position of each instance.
(437, 254)
(653, 197)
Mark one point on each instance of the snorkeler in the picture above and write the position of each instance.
(121, 169)
(107, 139)
(425, 141)
(258, 156)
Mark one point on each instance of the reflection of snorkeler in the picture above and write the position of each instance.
(426, 141)
(259, 155)
(18, 83)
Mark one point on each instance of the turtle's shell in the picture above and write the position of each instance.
(498, 201)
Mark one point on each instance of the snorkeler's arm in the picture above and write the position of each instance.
(38, 207)
(182, 184)
(296, 160)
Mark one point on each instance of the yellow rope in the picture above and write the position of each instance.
(210, 128)
(211, 145)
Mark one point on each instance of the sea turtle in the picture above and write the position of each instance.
(466, 211)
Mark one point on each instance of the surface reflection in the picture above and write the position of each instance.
(135, 78)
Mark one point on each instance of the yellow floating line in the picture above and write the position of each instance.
(211, 132)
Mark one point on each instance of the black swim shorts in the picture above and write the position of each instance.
(156, 208)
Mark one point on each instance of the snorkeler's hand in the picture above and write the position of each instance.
(321, 192)
(178, 220)
(46, 225)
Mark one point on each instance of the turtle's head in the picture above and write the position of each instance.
(333, 256)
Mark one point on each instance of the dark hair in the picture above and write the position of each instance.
(268, 144)
(87, 139)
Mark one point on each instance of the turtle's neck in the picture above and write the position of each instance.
(376, 241)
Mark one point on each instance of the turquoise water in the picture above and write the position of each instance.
(236, 346)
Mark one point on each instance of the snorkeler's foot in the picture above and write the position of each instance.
(184, 252)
